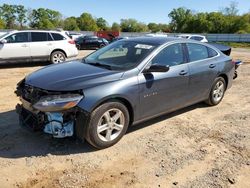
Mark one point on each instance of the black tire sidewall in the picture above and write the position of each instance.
(211, 98)
(92, 136)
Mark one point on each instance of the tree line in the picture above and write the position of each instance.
(182, 20)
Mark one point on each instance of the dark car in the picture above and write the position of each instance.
(120, 85)
(90, 42)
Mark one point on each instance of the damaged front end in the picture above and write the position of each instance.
(49, 111)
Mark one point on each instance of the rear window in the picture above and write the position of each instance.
(57, 36)
(39, 36)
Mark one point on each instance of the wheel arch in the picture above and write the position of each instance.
(58, 49)
(120, 99)
(225, 78)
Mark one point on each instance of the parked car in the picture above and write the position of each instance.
(75, 36)
(200, 38)
(98, 98)
(119, 38)
(156, 35)
(90, 42)
(36, 45)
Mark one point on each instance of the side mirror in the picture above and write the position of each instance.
(157, 68)
(3, 41)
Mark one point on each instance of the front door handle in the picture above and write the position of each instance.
(49, 44)
(24, 45)
(183, 72)
(211, 66)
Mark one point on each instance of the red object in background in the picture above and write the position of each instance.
(108, 35)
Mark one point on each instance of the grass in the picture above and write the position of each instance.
(236, 44)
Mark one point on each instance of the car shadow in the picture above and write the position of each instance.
(17, 142)
(20, 65)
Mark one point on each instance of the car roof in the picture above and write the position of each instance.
(154, 40)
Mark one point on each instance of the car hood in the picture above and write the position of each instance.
(71, 76)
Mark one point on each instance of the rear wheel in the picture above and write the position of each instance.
(108, 123)
(101, 45)
(217, 92)
(57, 57)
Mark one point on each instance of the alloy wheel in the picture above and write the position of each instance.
(58, 58)
(110, 125)
(218, 91)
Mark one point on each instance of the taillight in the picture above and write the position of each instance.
(71, 42)
(233, 62)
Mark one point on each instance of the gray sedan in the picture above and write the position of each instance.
(122, 84)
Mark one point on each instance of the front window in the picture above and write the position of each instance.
(122, 55)
(170, 56)
(18, 38)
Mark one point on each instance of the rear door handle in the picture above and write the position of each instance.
(49, 44)
(211, 66)
(24, 45)
(183, 72)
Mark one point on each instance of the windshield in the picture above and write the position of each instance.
(121, 55)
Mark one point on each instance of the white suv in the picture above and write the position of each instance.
(34, 45)
(200, 38)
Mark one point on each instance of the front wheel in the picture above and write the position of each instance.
(108, 123)
(217, 92)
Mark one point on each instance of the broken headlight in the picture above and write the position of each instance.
(55, 103)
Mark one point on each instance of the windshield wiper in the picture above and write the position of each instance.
(101, 65)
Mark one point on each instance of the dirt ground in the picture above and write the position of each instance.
(198, 146)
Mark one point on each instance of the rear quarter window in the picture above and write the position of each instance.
(57, 36)
(211, 52)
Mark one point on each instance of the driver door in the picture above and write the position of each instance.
(16, 48)
(165, 91)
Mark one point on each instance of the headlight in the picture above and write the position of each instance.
(55, 103)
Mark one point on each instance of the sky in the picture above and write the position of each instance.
(143, 10)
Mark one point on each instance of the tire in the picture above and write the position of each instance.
(101, 45)
(78, 47)
(101, 131)
(217, 92)
(57, 57)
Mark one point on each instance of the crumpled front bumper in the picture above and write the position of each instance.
(30, 120)
(50, 123)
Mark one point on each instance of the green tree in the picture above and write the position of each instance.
(132, 25)
(21, 15)
(2, 24)
(7, 12)
(45, 19)
(70, 24)
(87, 23)
(115, 27)
(153, 27)
(102, 24)
(180, 18)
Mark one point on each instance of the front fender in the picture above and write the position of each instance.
(124, 89)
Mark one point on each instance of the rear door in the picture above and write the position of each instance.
(203, 67)
(40, 46)
(17, 48)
